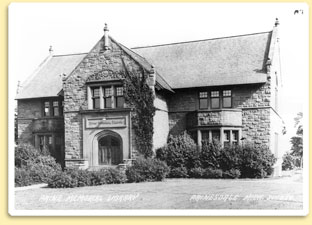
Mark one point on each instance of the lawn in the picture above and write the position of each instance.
(270, 193)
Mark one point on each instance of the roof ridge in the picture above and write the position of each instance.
(209, 39)
(83, 53)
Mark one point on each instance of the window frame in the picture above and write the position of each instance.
(215, 97)
(226, 96)
(106, 101)
(203, 98)
(51, 107)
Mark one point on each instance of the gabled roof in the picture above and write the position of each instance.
(47, 79)
(212, 62)
(145, 64)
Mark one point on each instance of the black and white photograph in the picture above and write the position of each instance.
(158, 109)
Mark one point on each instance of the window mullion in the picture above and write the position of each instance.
(113, 96)
(101, 98)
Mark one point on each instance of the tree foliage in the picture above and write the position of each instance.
(296, 141)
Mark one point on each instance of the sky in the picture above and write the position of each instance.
(76, 28)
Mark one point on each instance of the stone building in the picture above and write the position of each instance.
(222, 88)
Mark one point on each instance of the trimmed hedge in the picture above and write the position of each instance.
(71, 178)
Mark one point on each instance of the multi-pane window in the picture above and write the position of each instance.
(230, 137)
(47, 108)
(203, 100)
(52, 108)
(215, 100)
(120, 100)
(56, 110)
(96, 98)
(103, 97)
(227, 99)
(107, 97)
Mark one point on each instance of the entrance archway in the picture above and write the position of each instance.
(109, 150)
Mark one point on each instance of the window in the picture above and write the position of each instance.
(96, 98)
(215, 100)
(52, 108)
(234, 137)
(120, 100)
(105, 97)
(203, 100)
(227, 99)
(46, 108)
(226, 138)
(56, 110)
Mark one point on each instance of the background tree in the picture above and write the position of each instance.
(296, 141)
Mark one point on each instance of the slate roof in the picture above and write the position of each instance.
(146, 65)
(47, 79)
(212, 62)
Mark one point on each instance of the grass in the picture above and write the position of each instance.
(271, 193)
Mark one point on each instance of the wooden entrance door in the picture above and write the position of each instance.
(110, 151)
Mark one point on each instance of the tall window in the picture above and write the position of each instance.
(235, 137)
(203, 100)
(120, 100)
(215, 100)
(47, 108)
(96, 97)
(227, 99)
(56, 110)
(226, 138)
(107, 97)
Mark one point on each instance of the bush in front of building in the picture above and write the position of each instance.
(178, 172)
(72, 177)
(180, 151)
(149, 169)
(234, 161)
(288, 162)
(33, 166)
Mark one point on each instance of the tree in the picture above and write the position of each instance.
(296, 141)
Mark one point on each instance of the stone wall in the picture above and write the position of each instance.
(253, 99)
(98, 65)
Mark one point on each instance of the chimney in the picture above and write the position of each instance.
(50, 50)
(106, 45)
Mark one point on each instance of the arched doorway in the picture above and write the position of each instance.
(109, 150)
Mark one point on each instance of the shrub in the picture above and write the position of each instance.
(22, 177)
(114, 176)
(180, 151)
(62, 180)
(178, 172)
(210, 154)
(147, 170)
(231, 157)
(197, 172)
(212, 173)
(257, 162)
(38, 166)
(79, 178)
(288, 162)
(232, 173)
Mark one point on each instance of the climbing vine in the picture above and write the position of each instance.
(140, 97)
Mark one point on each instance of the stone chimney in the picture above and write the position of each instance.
(106, 41)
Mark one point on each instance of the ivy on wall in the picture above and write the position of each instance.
(140, 97)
